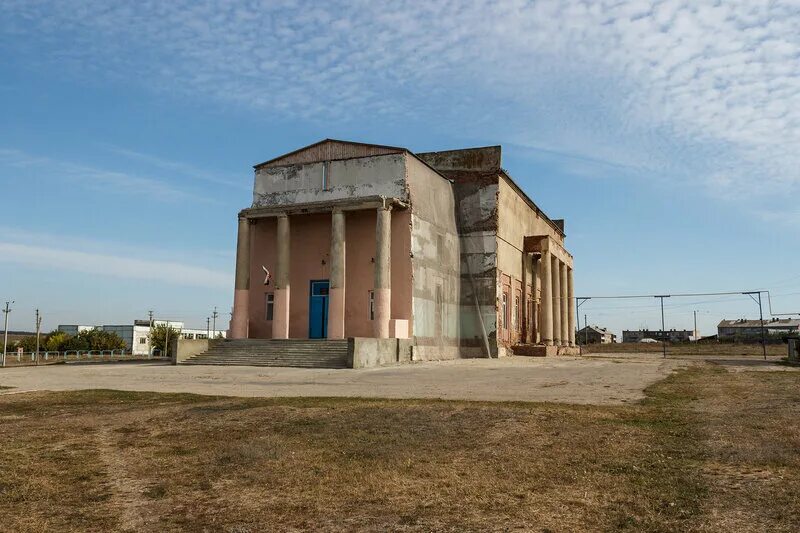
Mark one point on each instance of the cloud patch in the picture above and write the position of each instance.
(118, 266)
(704, 91)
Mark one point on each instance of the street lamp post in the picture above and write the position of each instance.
(5, 330)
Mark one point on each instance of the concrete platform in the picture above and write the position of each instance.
(557, 379)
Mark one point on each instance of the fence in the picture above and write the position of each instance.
(48, 357)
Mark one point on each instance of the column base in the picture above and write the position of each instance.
(240, 318)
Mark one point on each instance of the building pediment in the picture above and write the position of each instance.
(330, 150)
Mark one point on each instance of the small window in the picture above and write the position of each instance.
(270, 299)
(372, 305)
(516, 313)
(142, 340)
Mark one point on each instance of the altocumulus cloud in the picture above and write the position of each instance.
(698, 90)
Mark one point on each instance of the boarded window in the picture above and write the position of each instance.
(270, 305)
(372, 305)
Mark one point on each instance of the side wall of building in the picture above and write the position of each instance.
(518, 279)
(474, 173)
(435, 263)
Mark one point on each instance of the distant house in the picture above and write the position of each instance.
(670, 335)
(731, 330)
(595, 335)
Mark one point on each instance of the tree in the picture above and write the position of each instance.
(93, 339)
(55, 341)
(158, 336)
(28, 343)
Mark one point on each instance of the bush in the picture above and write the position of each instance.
(93, 339)
(158, 336)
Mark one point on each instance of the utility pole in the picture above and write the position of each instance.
(208, 328)
(761, 320)
(585, 331)
(214, 316)
(166, 340)
(149, 336)
(695, 325)
(5, 330)
(38, 331)
(663, 332)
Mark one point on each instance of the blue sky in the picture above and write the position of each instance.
(665, 133)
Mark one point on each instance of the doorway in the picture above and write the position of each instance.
(318, 309)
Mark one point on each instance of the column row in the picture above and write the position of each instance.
(336, 297)
(558, 302)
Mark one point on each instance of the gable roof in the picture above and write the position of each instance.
(330, 150)
(597, 329)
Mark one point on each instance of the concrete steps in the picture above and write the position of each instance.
(299, 353)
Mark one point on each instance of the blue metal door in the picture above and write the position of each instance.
(318, 310)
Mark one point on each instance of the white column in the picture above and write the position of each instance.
(547, 299)
(564, 305)
(280, 319)
(556, 275)
(241, 294)
(572, 317)
(383, 273)
(336, 302)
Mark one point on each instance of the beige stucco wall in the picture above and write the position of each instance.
(349, 178)
(516, 220)
(435, 249)
(182, 349)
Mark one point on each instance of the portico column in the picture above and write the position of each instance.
(572, 318)
(337, 276)
(383, 273)
(280, 320)
(564, 305)
(241, 293)
(547, 299)
(556, 275)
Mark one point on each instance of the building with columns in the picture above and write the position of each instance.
(348, 240)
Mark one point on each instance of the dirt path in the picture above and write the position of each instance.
(127, 491)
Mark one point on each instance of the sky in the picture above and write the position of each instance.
(666, 133)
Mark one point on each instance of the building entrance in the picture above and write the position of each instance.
(318, 309)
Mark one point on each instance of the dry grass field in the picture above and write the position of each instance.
(707, 450)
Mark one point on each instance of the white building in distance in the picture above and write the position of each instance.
(137, 335)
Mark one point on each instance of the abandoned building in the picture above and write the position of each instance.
(442, 249)
(672, 335)
(743, 329)
(595, 335)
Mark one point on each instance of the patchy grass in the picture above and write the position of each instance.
(707, 450)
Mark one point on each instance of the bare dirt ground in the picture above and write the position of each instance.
(707, 449)
(601, 380)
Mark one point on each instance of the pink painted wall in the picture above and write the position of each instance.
(310, 247)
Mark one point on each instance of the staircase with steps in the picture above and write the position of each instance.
(299, 353)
